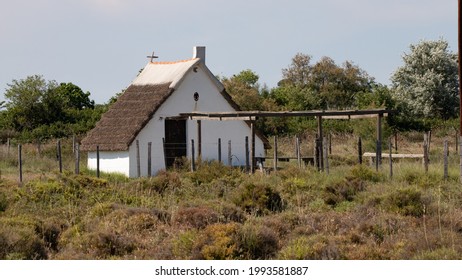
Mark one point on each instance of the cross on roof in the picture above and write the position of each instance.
(152, 56)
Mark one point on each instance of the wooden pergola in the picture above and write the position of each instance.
(252, 116)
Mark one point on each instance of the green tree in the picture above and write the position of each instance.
(245, 90)
(427, 84)
(74, 97)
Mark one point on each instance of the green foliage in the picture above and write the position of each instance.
(427, 83)
(257, 242)
(218, 242)
(39, 109)
(406, 201)
(257, 198)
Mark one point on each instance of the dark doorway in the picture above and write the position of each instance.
(175, 141)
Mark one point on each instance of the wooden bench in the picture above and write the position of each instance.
(372, 156)
(306, 160)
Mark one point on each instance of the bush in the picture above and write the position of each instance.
(344, 190)
(316, 247)
(161, 182)
(257, 242)
(219, 242)
(196, 217)
(258, 199)
(3, 202)
(406, 201)
(106, 244)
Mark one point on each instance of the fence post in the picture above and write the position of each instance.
(219, 150)
(425, 153)
(60, 156)
(8, 147)
(149, 159)
(138, 159)
(247, 159)
(297, 149)
(275, 156)
(326, 155)
(193, 163)
(20, 162)
(360, 150)
(446, 159)
(77, 158)
(390, 157)
(230, 155)
(97, 161)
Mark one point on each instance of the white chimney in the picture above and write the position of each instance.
(199, 52)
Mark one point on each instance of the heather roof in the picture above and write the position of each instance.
(119, 126)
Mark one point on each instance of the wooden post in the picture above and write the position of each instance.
(320, 137)
(330, 143)
(379, 140)
(390, 158)
(275, 154)
(39, 148)
(396, 141)
(20, 162)
(446, 152)
(165, 152)
(219, 150)
(59, 155)
(297, 148)
(97, 161)
(193, 163)
(138, 159)
(149, 159)
(247, 160)
(77, 158)
(315, 153)
(425, 153)
(378, 154)
(199, 139)
(326, 155)
(73, 143)
(230, 155)
(252, 147)
(360, 151)
(457, 141)
(8, 146)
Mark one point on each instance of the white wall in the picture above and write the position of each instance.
(182, 101)
(112, 162)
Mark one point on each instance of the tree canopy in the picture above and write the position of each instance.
(427, 84)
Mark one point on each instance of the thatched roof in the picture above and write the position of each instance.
(120, 125)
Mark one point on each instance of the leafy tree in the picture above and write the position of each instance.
(74, 97)
(427, 84)
(245, 90)
(42, 109)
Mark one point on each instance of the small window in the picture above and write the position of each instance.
(196, 96)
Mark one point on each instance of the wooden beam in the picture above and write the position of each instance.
(252, 147)
(251, 115)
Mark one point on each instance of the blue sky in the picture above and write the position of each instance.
(100, 45)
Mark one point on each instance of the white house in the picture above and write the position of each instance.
(148, 111)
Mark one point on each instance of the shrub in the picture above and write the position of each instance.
(196, 217)
(364, 173)
(257, 242)
(258, 199)
(219, 242)
(315, 247)
(106, 244)
(161, 182)
(182, 246)
(344, 190)
(406, 201)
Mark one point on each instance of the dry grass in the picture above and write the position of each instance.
(222, 213)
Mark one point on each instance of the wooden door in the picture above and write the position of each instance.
(175, 141)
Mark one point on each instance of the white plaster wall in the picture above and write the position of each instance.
(111, 162)
(182, 101)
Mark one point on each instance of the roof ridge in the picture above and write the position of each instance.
(172, 62)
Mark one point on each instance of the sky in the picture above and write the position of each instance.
(100, 45)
